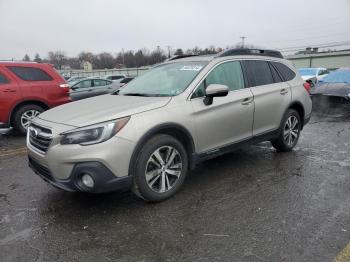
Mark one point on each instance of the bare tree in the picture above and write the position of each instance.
(57, 58)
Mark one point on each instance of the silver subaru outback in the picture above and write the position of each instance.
(149, 134)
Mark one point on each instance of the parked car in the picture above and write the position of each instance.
(75, 78)
(123, 82)
(115, 77)
(27, 89)
(333, 89)
(313, 74)
(166, 121)
(90, 87)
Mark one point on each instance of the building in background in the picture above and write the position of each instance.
(86, 65)
(312, 58)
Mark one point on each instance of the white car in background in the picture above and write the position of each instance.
(115, 78)
(313, 74)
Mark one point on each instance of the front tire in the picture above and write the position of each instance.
(289, 132)
(24, 115)
(161, 168)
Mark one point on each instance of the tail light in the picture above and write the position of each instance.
(307, 87)
(65, 87)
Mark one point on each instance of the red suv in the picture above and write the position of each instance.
(26, 90)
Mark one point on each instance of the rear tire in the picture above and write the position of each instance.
(24, 115)
(161, 168)
(289, 132)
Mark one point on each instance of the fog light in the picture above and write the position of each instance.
(87, 181)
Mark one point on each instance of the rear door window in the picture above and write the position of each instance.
(284, 70)
(258, 73)
(3, 79)
(100, 82)
(30, 73)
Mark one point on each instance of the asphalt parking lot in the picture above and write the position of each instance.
(251, 205)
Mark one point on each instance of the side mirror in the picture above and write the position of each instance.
(214, 90)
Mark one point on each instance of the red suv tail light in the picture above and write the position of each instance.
(65, 87)
(307, 87)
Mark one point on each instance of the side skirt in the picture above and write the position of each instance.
(198, 158)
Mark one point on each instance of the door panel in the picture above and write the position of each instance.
(271, 102)
(225, 121)
(271, 95)
(101, 87)
(228, 119)
(84, 89)
(9, 94)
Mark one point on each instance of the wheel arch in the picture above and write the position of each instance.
(173, 129)
(23, 103)
(297, 106)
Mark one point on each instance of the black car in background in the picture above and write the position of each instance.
(333, 91)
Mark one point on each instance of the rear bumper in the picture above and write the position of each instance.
(104, 179)
(4, 128)
(3, 125)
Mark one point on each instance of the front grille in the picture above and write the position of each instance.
(40, 169)
(39, 137)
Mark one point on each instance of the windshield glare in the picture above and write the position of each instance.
(338, 76)
(165, 80)
(308, 71)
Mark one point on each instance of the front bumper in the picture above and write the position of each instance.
(63, 165)
(104, 179)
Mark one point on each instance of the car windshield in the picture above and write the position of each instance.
(164, 80)
(308, 71)
(338, 76)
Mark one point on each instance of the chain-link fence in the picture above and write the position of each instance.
(104, 72)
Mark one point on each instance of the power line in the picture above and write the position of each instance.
(324, 45)
(316, 37)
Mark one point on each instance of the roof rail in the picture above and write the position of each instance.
(17, 61)
(178, 57)
(248, 51)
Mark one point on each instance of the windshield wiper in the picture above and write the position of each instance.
(136, 94)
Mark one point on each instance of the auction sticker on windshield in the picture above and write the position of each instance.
(191, 68)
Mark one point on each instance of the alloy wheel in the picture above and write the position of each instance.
(291, 130)
(163, 169)
(27, 116)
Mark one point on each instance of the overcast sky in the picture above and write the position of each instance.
(39, 26)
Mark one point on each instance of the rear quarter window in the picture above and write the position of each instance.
(30, 73)
(287, 73)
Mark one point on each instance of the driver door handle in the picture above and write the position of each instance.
(247, 101)
(284, 91)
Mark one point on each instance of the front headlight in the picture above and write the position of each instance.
(94, 134)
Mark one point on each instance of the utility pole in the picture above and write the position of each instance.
(243, 37)
(123, 57)
(169, 47)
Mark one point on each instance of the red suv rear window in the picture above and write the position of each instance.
(30, 73)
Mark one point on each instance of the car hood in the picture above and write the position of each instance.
(101, 109)
(332, 89)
